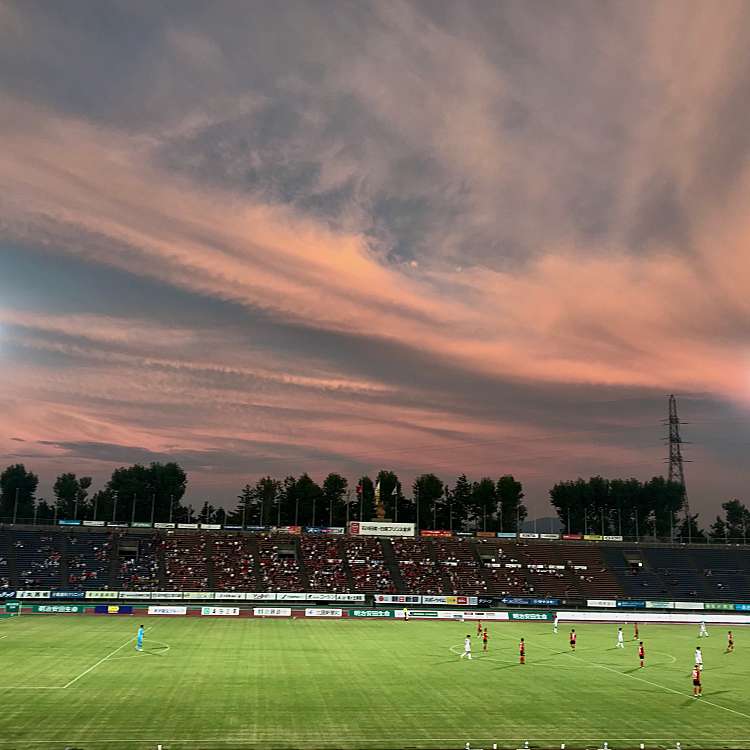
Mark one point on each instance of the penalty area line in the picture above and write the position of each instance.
(101, 661)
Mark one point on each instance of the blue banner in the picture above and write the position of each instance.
(7, 594)
(313, 530)
(68, 595)
(529, 602)
(113, 609)
(742, 607)
(631, 604)
(507, 534)
(68, 522)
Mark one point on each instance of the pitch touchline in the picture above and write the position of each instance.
(94, 666)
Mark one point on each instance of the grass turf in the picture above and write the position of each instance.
(74, 681)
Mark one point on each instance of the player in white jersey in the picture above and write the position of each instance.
(467, 647)
(554, 624)
(703, 632)
(699, 658)
(620, 638)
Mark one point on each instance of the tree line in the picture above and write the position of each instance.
(156, 493)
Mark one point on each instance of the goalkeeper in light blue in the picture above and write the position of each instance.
(139, 639)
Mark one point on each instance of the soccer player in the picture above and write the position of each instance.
(467, 647)
(406, 614)
(635, 631)
(697, 687)
(620, 638)
(703, 632)
(554, 624)
(485, 638)
(139, 639)
(730, 642)
(699, 658)
(573, 638)
(641, 653)
(479, 627)
(522, 652)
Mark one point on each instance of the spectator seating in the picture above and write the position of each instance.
(419, 567)
(185, 561)
(233, 559)
(323, 562)
(366, 561)
(38, 559)
(279, 564)
(137, 564)
(89, 560)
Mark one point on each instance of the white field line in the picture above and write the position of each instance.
(654, 684)
(380, 740)
(101, 661)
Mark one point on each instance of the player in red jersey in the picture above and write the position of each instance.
(697, 687)
(641, 653)
(730, 642)
(522, 652)
(479, 627)
(635, 631)
(485, 638)
(573, 638)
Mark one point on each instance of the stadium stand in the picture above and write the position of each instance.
(234, 563)
(136, 563)
(367, 564)
(279, 564)
(88, 560)
(419, 567)
(185, 562)
(324, 564)
(39, 558)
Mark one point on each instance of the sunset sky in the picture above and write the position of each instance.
(275, 237)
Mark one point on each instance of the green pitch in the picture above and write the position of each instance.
(77, 681)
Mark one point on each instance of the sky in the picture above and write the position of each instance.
(268, 238)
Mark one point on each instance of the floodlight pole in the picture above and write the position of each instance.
(15, 507)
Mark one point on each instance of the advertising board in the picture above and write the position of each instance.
(220, 611)
(33, 594)
(453, 601)
(56, 609)
(601, 603)
(436, 532)
(380, 528)
(323, 612)
(398, 598)
(155, 609)
(374, 613)
(531, 615)
(272, 611)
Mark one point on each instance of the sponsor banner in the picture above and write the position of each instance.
(257, 528)
(113, 609)
(675, 617)
(288, 529)
(334, 530)
(549, 536)
(572, 536)
(233, 595)
(262, 596)
(380, 528)
(187, 525)
(166, 610)
(466, 533)
(141, 525)
(162, 525)
(272, 611)
(118, 525)
(528, 535)
(593, 537)
(68, 595)
(233, 528)
(659, 605)
(56, 609)
(135, 595)
(212, 526)
(289, 596)
(93, 523)
(689, 605)
(527, 602)
(531, 615)
(506, 534)
(724, 605)
(742, 607)
(370, 613)
(324, 612)
(197, 594)
(7, 594)
(435, 532)
(349, 597)
(313, 529)
(475, 615)
(601, 603)
(431, 614)
(485, 534)
(612, 538)
(631, 604)
(398, 598)
(101, 594)
(220, 611)
(68, 522)
(166, 595)
(454, 601)
(32, 594)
